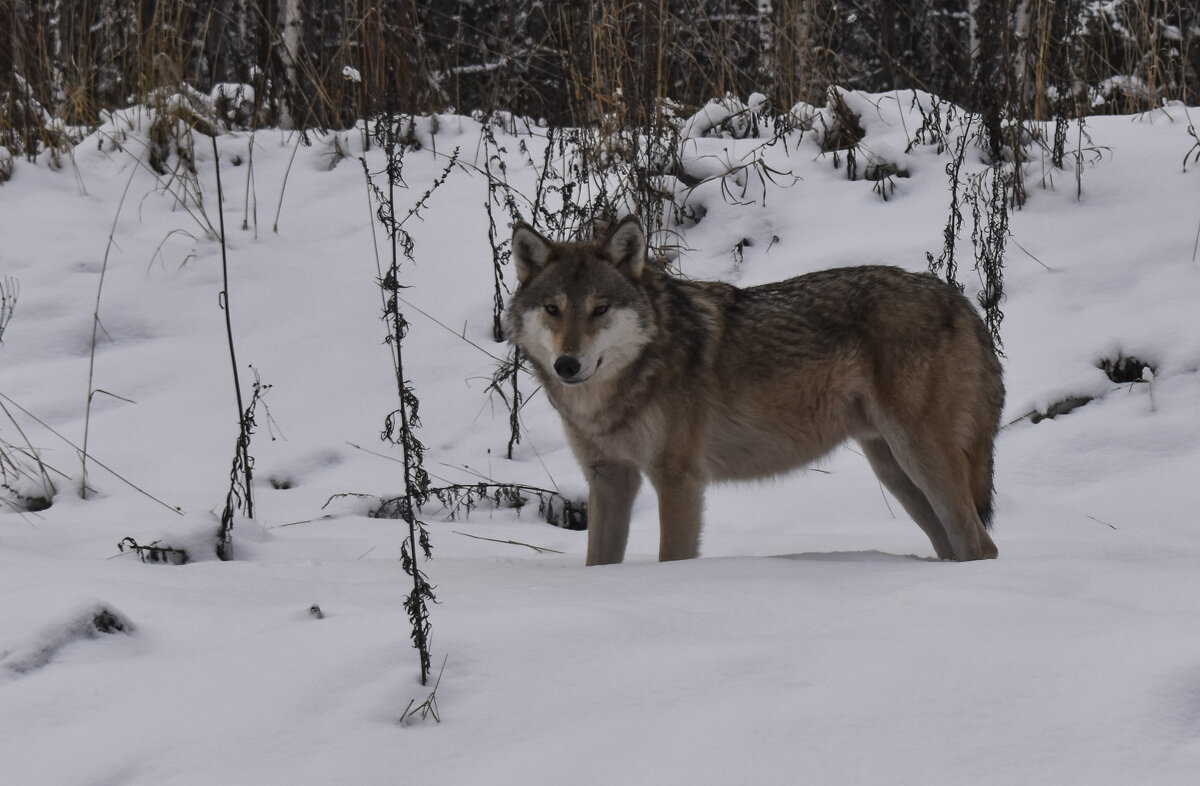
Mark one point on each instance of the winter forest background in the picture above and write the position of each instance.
(326, 64)
(191, 593)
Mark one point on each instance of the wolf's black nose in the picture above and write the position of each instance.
(566, 367)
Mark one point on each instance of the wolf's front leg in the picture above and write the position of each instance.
(680, 507)
(612, 489)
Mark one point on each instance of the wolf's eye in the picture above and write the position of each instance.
(600, 310)
(552, 309)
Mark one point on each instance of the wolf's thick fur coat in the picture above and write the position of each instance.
(690, 382)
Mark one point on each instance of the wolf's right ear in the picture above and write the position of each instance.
(530, 251)
(626, 247)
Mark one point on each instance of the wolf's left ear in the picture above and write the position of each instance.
(530, 251)
(626, 247)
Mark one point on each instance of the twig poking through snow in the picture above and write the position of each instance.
(87, 412)
(538, 549)
(9, 289)
(1105, 523)
(427, 707)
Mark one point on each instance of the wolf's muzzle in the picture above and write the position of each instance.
(567, 368)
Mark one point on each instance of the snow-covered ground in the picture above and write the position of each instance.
(816, 641)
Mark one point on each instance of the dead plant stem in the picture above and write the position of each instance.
(237, 385)
(87, 412)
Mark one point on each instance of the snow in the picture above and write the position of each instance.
(815, 641)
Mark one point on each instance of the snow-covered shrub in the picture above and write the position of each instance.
(233, 103)
(27, 127)
(725, 117)
(175, 113)
(837, 126)
(85, 623)
(1125, 369)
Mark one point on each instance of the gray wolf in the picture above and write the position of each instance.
(690, 382)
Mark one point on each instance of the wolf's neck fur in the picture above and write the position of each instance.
(605, 402)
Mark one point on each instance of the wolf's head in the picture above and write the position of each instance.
(579, 312)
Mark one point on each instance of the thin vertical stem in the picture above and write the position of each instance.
(87, 412)
(224, 299)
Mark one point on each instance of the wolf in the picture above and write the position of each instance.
(691, 382)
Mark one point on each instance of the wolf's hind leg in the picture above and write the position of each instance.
(612, 489)
(897, 481)
(942, 471)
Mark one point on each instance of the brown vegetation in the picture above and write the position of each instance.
(326, 64)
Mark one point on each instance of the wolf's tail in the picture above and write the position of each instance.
(982, 453)
(987, 410)
(983, 490)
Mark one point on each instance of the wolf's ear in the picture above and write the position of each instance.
(530, 251)
(626, 247)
